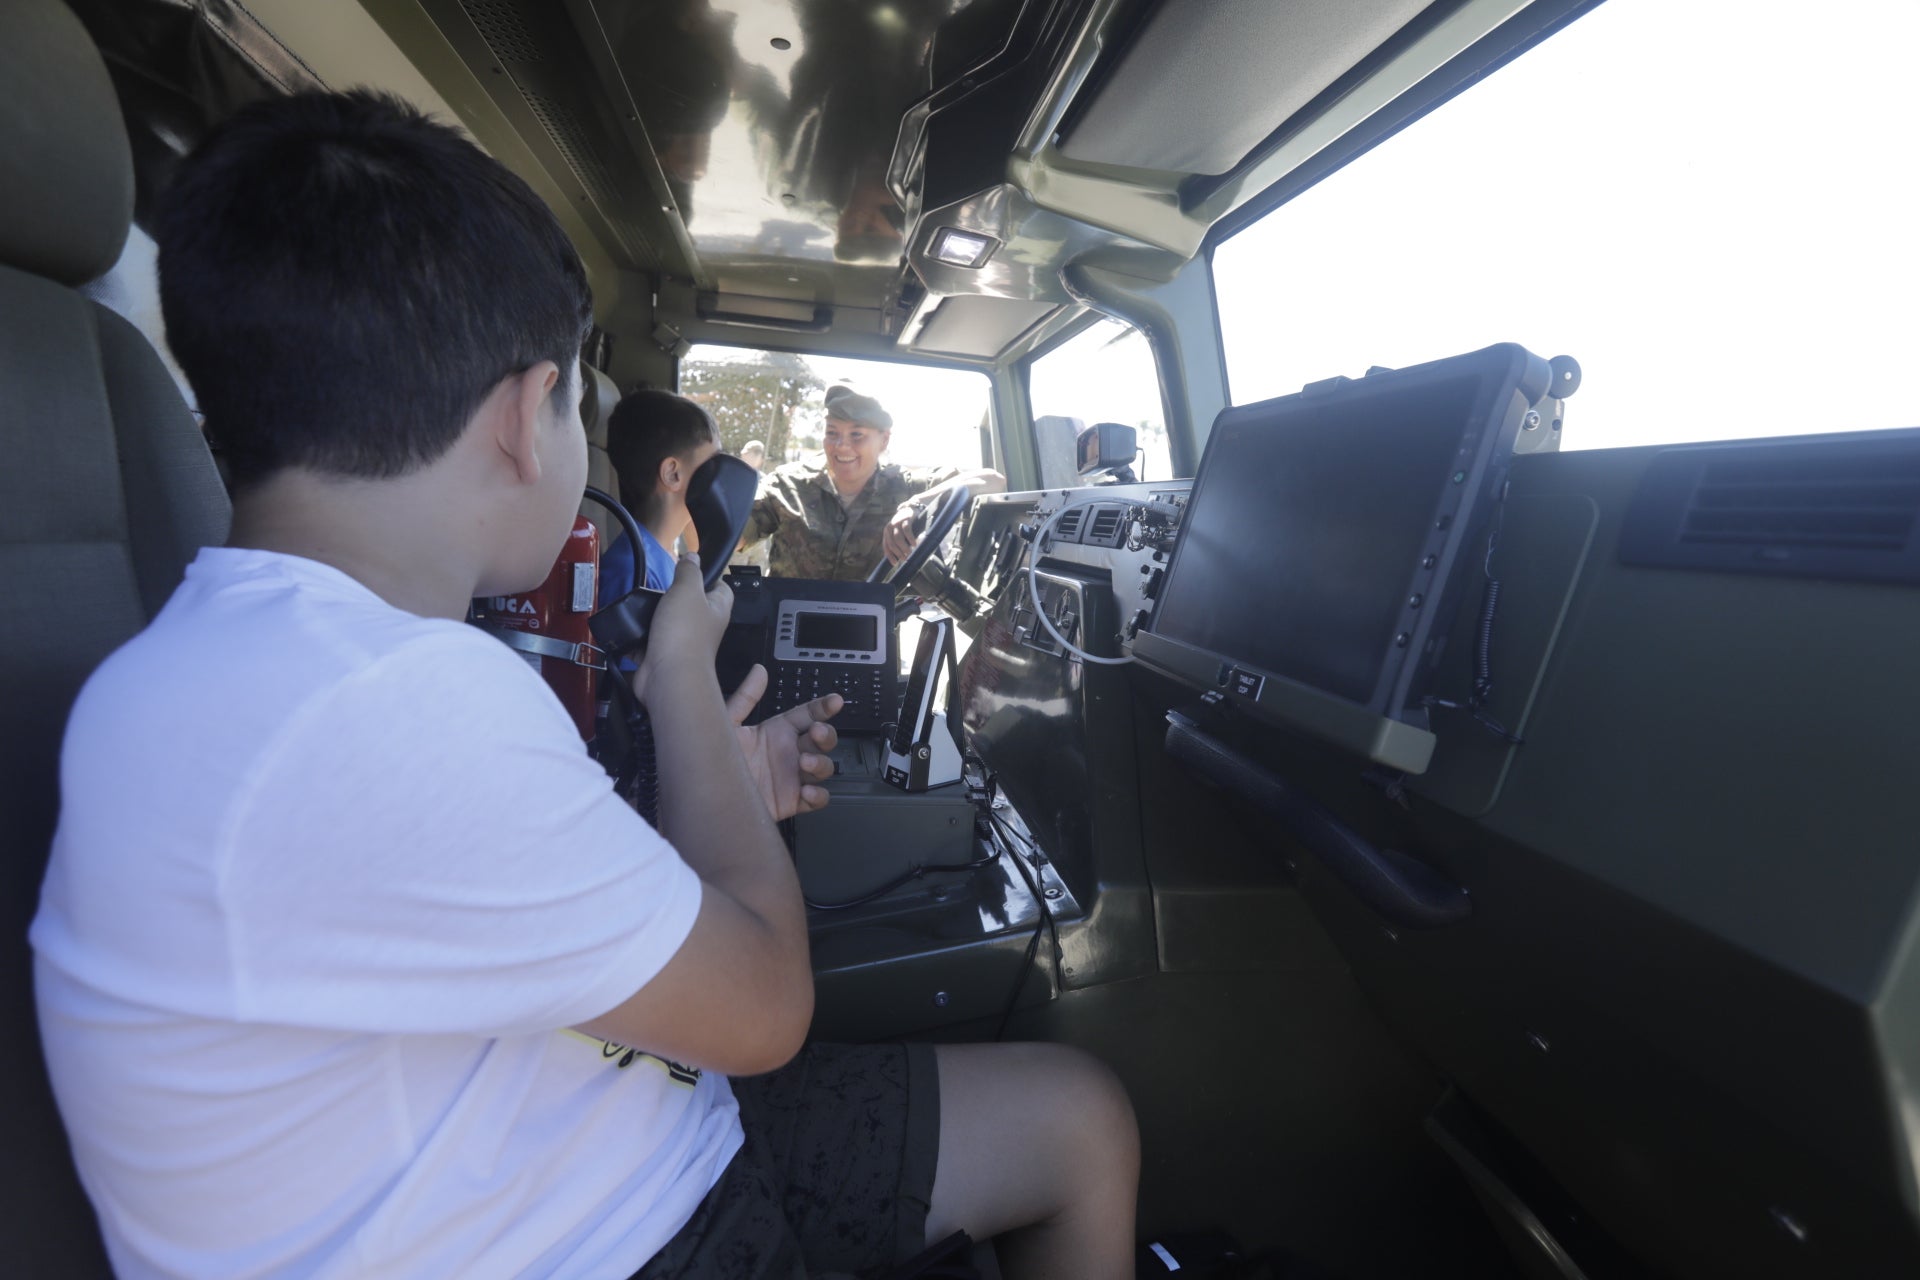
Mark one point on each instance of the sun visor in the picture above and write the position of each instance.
(969, 325)
(1208, 80)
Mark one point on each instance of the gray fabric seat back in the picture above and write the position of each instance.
(106, 491)
(598, 395)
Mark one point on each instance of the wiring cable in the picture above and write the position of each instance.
(1045, 923)
(1039, 606)
(902, 880)
(628, 525)
(1476, 703)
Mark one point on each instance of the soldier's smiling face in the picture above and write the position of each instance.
(853, 452)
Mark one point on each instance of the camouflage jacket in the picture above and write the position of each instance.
(814, 535)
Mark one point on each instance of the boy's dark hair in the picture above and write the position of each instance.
(647, 428)
(344, 280)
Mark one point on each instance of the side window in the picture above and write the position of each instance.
(941, 417)
(1713, 215)
(1105, 373)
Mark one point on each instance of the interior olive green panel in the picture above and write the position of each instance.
(1273, 1104)
(1728, 748)
(1551, 540)
(1686, 982)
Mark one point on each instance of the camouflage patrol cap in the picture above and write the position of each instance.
(845, 403)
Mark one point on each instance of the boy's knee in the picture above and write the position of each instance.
(1114, 1118)
(1102, 1110)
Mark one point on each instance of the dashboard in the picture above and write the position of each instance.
(1124, 531)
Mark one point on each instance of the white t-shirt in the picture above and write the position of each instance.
(330, 882)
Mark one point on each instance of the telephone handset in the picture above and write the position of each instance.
(720, 498)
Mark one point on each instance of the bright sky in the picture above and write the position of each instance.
(1710, 205)
(1106, 374)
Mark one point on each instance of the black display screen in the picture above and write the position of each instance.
(1308, 520)
(840, 632)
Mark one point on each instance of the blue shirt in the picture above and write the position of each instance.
(616, 567)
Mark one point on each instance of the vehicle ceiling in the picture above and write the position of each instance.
(782, 167)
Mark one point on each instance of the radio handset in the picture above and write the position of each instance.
(720, 499)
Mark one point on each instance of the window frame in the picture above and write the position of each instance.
(1533, 25)
(1091, 318)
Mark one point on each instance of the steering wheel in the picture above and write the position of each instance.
(939, 525)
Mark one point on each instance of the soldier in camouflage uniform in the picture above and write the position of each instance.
(830, 519)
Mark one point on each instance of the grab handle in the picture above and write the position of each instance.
(1401, 889)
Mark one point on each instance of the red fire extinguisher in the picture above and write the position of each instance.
(548, 625)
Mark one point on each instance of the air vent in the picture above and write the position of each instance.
(536, 64)
(1839, 507)
(1068, 530)
(505, 32)
(1108, 527)
(1846, 503)
(570, 140)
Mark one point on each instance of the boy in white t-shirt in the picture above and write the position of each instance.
(349, 962)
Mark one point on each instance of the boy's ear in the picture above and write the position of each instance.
(673, 474)
(521, 408)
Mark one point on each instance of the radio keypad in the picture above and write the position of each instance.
(864, 688)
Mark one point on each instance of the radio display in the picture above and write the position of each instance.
(854, 632)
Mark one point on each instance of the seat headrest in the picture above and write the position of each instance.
(65, 164)
(597, 397)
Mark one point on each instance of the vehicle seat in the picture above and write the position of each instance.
(106, 491)
(598, 395)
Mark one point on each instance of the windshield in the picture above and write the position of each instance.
(941, 417)
(1710, 206)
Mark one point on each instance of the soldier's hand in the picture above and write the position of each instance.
(899, 537)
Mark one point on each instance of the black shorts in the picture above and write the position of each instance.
(835, 1177)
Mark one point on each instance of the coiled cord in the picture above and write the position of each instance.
(1039, 605)
(1476, 703)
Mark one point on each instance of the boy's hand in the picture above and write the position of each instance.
(686, 629)
(788, 752)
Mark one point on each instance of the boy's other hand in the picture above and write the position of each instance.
(787, 753)
(686, 629)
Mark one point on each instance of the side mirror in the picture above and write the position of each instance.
(1106, 447)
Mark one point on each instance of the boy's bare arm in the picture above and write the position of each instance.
(738, 995)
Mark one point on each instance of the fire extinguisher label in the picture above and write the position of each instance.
(583, 576)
